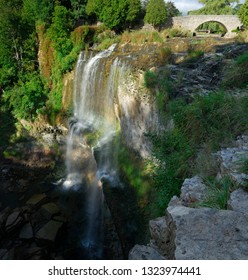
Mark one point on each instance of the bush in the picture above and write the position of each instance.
(27, 96)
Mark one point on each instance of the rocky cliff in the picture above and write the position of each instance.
(189, 231)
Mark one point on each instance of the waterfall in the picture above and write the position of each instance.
(90, 155)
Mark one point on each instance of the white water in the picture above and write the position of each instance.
(95, 87)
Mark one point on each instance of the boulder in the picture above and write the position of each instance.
(26, 232)
(37, 200)
(207, 234)
(141, 252)
(231, 160)
(14, 221)
(193, 190)
(239, 201)
(49, 210)
(49, 231)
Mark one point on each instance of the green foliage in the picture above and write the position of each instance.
(38, 10)
(205, 123)
(78, 9)
(27, 96)
(150, 79)
(115, 14)
(156, 12)
(237, 74)
(172, 10)
(243, 13)
(215, 7)
(218, 193)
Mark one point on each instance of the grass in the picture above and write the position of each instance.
(200, 128)
(218, 193)
(236, 75)
(141, 37)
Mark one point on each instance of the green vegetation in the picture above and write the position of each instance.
(156, 12)
(237, 74)
(243, 13)
(117, 14)
(216, 7)
(204, 124)
(218, 193)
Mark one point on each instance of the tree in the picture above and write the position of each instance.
(115, 14)
(156, 12)
(172, 10)
(243, 13)
(215, 7)
(38, 10)
(78, 9)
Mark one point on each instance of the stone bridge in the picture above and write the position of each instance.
(230, 22)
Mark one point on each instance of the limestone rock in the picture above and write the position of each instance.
(239, 201)
(231, 160)
(193, 190)
(160, 234)
(49, 231)
(141, 252)
(208, 234)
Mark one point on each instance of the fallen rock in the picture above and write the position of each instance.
(238, 201)
(207, 234)
(141, 252)
(14, 221)
(49, 210)
(26, 232)
(37, 200)
(49, 231)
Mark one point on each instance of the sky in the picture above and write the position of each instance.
(187, 5)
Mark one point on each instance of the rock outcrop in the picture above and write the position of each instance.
(190, 232)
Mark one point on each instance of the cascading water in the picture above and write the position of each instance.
(94, 120)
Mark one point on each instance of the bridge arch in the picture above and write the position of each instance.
(225, 30)
(230, 22)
